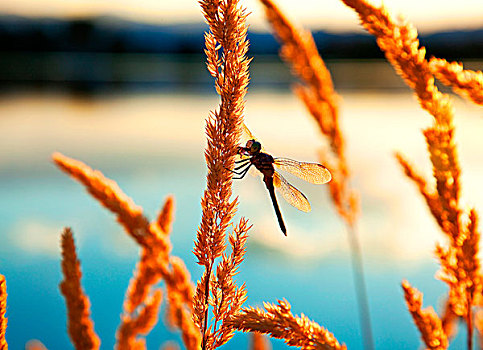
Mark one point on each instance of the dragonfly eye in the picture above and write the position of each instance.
(255, 147)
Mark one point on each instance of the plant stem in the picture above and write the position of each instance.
(360, 287)
(207, 296)
(469, 326)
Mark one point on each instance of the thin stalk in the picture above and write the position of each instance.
(207, 296)
(216, 319)
(360, 287)
(469, 328)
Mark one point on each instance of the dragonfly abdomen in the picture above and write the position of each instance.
(269, 183)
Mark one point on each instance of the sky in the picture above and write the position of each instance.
(427, 15)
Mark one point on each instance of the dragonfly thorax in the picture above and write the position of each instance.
(264, 163)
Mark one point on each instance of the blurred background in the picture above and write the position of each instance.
(122, 86)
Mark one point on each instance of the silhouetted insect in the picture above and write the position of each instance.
(252, 154)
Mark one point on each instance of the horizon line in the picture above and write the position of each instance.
(340, 29)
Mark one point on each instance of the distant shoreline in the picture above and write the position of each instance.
(117, 35)
(99, 73)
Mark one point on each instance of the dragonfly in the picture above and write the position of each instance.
(253, 154)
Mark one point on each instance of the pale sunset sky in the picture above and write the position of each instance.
(426, 15)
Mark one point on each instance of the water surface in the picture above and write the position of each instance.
(152, 145)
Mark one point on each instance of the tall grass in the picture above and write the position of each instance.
(3, 310)
(460, 266)
(207, 314)
(316, 91)
(217, 292)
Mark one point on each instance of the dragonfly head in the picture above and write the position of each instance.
(253, 146)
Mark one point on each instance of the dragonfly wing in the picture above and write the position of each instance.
(293, 196)
(311, 172)
(247, 135)
(244, 137)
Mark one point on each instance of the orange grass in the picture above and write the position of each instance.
(156, 263)
(318, 94)
(208, 316)
(460, 267)
(279, 322)
(79, 324)
(400, 44)
(465, 82)
(142, 323)
(427, 321)
(3, 310)
(218, 289)
(226, 48)
(108, 193)
(449, 320)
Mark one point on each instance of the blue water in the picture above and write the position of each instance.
(322, 289)
(37, 201)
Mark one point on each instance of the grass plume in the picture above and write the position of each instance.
(465, 82)
(460, 267)
(108, 193)
(208, 314)
(226, 48)
(142, 323)
(156, 263)
(317, 92)
(278, 321)
(3, 310)
(429, 324)
(79, 323)
(449, 320)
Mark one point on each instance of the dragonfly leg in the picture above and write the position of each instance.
(241, 161)
(237, 169)
(242, 173)
(241, 165)
(234, 171)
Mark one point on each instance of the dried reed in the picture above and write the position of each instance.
(400, 44)
(427, 321)
(188, 310)
(79, 323)
(318, 94)
(3, 310)
(108, 193)
(465, 82)
(142, 323)
(449, 320)
(156, 263)
(460, 267)
(226, 48)
(279, 322)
